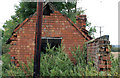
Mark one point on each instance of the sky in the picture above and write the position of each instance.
(102, 13)
(7, 9)
(99, 12)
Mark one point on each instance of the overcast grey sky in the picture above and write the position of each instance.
(99, 12)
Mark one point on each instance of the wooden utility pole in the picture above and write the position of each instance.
(38, 39)
(100, 29)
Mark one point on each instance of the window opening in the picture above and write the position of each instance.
(52, 41)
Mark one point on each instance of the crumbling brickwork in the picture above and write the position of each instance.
(98, 51)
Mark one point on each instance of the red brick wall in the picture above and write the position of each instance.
(99, 52)
(81, 21)
(24, 47)
(55, 25)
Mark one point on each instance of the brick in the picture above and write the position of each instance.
(102, 66)
(109, 62)
(102, 62)
(55, 25)
(108, 66)
(106, 58)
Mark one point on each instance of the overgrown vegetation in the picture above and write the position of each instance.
(57, 63)
(0, 71)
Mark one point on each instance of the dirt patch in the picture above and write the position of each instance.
(115, 54)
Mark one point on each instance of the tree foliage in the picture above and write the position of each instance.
(25, 9)
(0, 42)
(7, 32)
(115, 49)
(65, 6)
(91, 31)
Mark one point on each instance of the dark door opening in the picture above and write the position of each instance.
(53, 41)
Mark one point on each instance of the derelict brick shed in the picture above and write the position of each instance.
(56, 28)
(98, 50)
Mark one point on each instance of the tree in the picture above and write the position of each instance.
(91, 30)
(25, 9)
(7, 32)
(115, 49)
(65, 6)
(0, 42)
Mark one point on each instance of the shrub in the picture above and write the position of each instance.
(56, 63)
(9, 69)
(115, 66)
